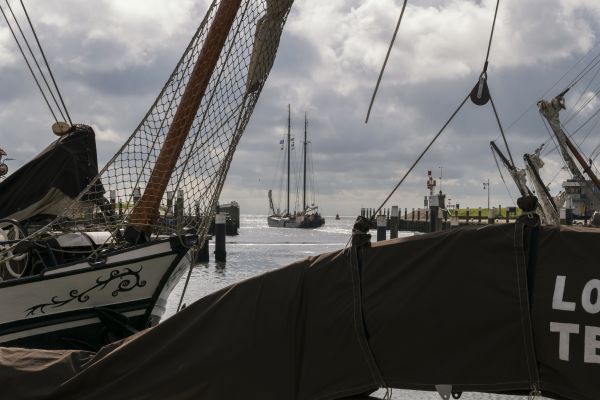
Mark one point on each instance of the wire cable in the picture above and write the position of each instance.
(414, 164)
(43, 75)
(387, 56)
(46, 62)
(28, 64)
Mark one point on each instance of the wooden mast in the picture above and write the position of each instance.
(305, 148)
(146, 210)
(288, 158)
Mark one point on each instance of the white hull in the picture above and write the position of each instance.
(64, 300)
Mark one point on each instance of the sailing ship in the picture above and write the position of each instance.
(308, 216)
(91, 275)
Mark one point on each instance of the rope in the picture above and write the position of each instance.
(28, 64)
(46, 62)
(420, 156)
(387, 56)
(502, 177)
(34, 58)
(487, 56)
(512, 162)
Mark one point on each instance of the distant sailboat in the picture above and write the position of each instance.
(309, 216)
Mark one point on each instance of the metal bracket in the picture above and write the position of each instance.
(445, 391)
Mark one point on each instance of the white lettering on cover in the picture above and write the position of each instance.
(591, 289)
(592, 345)
(564, 330)
(559, 291)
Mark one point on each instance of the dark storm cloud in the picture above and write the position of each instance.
(112, 61)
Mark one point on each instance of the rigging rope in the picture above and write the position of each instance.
(46, 62)
(28, 64)
(421, 156)
(34, 59)
(512, 162)
(479, 100)
(387, 56)
(502, 177)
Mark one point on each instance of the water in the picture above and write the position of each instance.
(258, 249)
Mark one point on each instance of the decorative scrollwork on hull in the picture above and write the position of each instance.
(129, 280)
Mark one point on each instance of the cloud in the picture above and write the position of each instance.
(111, 61)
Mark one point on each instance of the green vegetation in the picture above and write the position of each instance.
(474, 212)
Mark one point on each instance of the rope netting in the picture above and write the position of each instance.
(116, 196)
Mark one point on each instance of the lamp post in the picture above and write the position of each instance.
(486, 186)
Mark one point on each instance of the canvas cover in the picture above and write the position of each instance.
(445, 308)
(47, 184)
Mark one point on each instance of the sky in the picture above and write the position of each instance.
(111, 60)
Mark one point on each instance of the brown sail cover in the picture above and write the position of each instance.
(447, 308)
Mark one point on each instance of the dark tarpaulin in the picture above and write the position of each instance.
(445, 308)
(49, 182)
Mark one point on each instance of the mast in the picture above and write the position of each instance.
(305, 148)
(146, 210)
(549, 209)
(288, 157)
(517, 175)
(550, 110)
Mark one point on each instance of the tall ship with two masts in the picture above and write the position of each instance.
(308, 216)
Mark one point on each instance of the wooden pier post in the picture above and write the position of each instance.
(203, 252)
(394, 223)
(113, 200)
(136, 195)
(362, 212)
(418, 214)
(413, 214)
(220, 253)
(405, 213)
(381, 227)
(179, 211)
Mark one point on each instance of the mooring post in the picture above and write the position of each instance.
(220, 253)
(413, 214)
(113, 200)
(405, 213)
(394, 223)
(418, 214)
(492, 216)
(180, 208)
(137, 194)
(381, 227)
(203, 251)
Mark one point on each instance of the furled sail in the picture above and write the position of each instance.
(46, 185)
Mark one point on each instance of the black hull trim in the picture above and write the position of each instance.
(306, 223)
(81, 329)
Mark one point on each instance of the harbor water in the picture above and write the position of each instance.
(259, 249)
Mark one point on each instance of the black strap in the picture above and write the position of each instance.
(525, 225)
